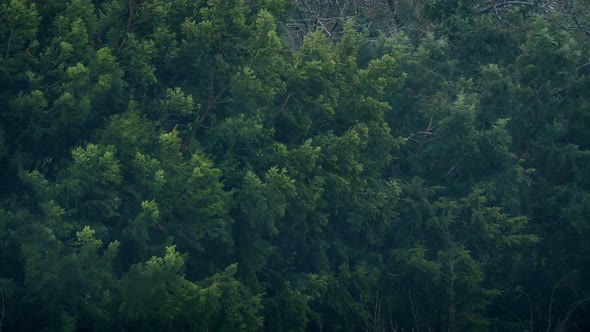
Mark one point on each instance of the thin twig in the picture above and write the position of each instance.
(3, 315)
(413, 311)
(530, 309)
(508, 3)
(8, 46)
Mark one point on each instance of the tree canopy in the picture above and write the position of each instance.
(233, 165)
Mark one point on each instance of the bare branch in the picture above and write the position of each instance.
(413, 310)
(495, 6)
(572, 309)
(555, 287)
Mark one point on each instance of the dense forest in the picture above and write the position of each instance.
(294, 165)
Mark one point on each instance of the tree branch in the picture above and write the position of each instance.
(413, 311)
(509, 3)
(8, 46)
(553, 297)
(129, 20)
(572, 309)
(3, 314)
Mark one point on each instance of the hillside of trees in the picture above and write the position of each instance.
(295, 165)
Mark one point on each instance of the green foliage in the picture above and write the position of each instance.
(74, 281)
(158, 297)
(214, 165)
(20, 26)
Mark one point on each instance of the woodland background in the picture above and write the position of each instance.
(322, 165)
